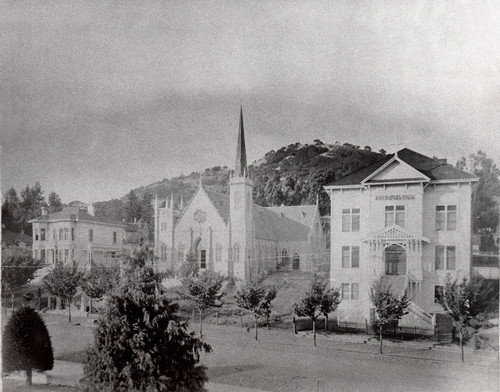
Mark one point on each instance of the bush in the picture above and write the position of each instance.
(142, 345)
(26, 344)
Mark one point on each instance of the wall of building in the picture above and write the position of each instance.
(420, 204)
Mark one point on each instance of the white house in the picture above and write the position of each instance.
(407, 219)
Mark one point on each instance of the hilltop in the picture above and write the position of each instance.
(291, 175)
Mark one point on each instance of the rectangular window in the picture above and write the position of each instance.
(72, 234)
(355, 219)
(42, 234)
(114, 237)
(73, 254)
(355, 291)
(445, 257)
(446, 217)
(203, 259)
(54, 235)
(389, 216)
(451, 218)
(60, 234)
(394, 215)
(66, 255)
(42, 254)
(400, 216)
(450, 257)
(36, 235)
(439, 257)
(346, 220)
(66, 233)
(350, 256)
(346, 255)
(91, 235)
(438, 293)
(345, 291)
(351, 219)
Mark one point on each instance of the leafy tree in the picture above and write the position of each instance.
(190, 266)
(132, 207)
(99, 281)
(10, 211)
(63, 282)
(18, 271)
(203, 290)
(466, 301)
(147, 208)
(141, 344)
(388, 307)
(329, 303)
(55, 201)
(254, 296)
(484, 207)
(26, 344)
(317, 300)
(30, 206)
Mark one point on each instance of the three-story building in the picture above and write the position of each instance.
(405, 219)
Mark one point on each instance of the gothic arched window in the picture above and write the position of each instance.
(180, 253)
(218, 253)
(236, 253)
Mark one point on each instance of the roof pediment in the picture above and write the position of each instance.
(395, 232)
(395, 170)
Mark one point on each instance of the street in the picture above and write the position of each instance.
(283, 362)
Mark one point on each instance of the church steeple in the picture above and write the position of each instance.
(240, 168)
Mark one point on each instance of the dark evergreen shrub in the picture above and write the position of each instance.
(26, 343)
(142, 345)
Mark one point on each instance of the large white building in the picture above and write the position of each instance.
(76, 235)
(232, 235)
(407, 219)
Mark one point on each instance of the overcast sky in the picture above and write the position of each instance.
(99, 97)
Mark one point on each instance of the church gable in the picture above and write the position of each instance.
(200, 211)
(395, 170)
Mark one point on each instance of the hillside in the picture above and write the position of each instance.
(292, 175)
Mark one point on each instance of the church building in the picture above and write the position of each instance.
(232, 235)
(405, 219)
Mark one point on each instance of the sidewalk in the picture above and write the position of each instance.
(70, 373)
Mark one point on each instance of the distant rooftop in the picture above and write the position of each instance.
(435, 169)
(75, 214)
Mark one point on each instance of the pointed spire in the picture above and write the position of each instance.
(240, 169)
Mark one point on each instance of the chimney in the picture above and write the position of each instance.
(443, 161)
(45, 211)
(470, 164)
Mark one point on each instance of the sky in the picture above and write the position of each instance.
(99, 97)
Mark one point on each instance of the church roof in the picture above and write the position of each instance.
(434, 169)
(268, 224)
(221, 203)
(302, 214)
(273, 226)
